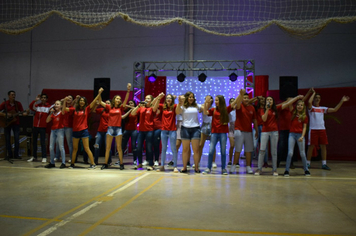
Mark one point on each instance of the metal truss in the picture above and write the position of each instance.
(143, 68)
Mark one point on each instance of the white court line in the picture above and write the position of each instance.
(81, 212)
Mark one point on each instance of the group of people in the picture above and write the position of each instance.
(150, 124)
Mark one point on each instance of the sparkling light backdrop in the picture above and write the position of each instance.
(212, 86)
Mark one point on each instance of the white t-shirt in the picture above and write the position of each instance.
(207, 119)
(232, 116)
(316, 117)
(190, 116)
(179, 117)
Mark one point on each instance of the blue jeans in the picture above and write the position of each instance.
(172, 135)
(293, 137)
(100, 138)
(156, 143)
(68, 132)
(133, 134)
(265, 136)
(215, 137)
(16, 130)
(42, 133)
(57, 137)
(258, 140)
(142, 136)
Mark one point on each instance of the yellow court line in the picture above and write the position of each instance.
(121, 207)
(81, 205)
(26, 218)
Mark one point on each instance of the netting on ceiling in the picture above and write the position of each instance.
(302, 18)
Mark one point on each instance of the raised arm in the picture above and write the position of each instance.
(49, 118)
(335, 109)
(134, 111)
(311, 99)
(310, 91)
(206, 105)
(156, 102)
(180, 103)
(291, 101)
(97, 98)
(237, 102)
(253, 100)
(126, 114)
(127, 95)
(64, 107)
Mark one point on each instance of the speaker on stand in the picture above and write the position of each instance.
(102, 83)
(288, 87)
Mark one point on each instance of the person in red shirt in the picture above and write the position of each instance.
(270, 131)
(39, 125)
(260, 110)
(219, 130)
(157, 128)
(10, 110)
(80, 113)
(146, 110)
(245, 116)
(169, 131)
(298, 127)
(56, 115)
(116, 110)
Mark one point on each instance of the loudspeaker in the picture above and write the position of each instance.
(288, 87)
(102, 83)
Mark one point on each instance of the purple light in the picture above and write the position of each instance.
(152, 78)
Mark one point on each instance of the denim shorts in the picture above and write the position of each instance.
(114, 131)
(190, 133)
(81, 134)
(206, 129)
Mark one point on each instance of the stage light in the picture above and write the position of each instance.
(152, 77)
(181, 77)
(202, 77)
(233, 77)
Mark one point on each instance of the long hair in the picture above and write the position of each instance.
(302, 115)
(165, 106)
(273, 108)
(186, 103)
(151, 99)
(259, 104)
(224, 118)
(77, 107)
(113, 101)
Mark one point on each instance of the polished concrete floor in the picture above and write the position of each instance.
(39, 201)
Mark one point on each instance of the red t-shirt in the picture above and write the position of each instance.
(244, 117)
(115, 114)
(216, 126)
(13, 109)
(271, 123)
(296, 125)
(57, 121)
(68, 119)
(131, 122)
(103, 125)
(284, 117)
(80, 118)
(169, 119)
(157, 121)
(146, 118)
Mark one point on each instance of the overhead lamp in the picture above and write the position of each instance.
(233, 77)
(202, 77)
(152, 77)
(181, 77)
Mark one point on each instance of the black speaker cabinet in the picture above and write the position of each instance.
(288, 87)
(102, 83)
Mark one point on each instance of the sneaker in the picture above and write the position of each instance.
(156, 163)
(105, 166)
(325, 167)
(237, 166)
(135, 163)
(122, 167)
(206, 171)
(307, 173)
(117, 163)
(149, 168)
(258, 172)
(275, 173)
(188, 164)
(31, 159)
(92, 167)
(214, 165)
(249, 170)
(62, 166)
(44, 160)
(69, 161)
(71, 166)
(176, 170)
(145, 163)
(171, 163)
(50, 165)
(224, 172)
(286, 174)
(193, 166)
(160, 169)
(229, 164)
(232, 169)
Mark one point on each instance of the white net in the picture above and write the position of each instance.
(302, 18)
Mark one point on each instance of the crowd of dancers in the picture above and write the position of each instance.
(247, 122)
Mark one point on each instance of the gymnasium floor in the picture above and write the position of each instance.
(39, 201)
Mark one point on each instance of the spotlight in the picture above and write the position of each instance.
(233, 77)
(181, 77)
(152, 77)
(202, 77)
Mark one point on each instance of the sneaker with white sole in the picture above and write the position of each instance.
(92, 167)
(193, 166)
(117, 163)
(55, 159)
(258, 172)
(176, 170)
(206, 171)
(135, 163)
(249, 170)
(44, 160)
(149, 168)
(156, 163)
(275, 173)
(224, 172)
(215, 165)
(145, 163)
(307, 173)
(237, 166)
(31, 159)
(286, 174)
(232, 169)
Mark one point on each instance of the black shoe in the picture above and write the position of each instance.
(122, 166)
(105, 166)
(171, 163)
(50, 165)
(71, 166)
(17, 157)
(229, 164)
(188, 164)
(197, 171)
(184, 171)
(307, 173)
(62, 166)
(286, 174)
